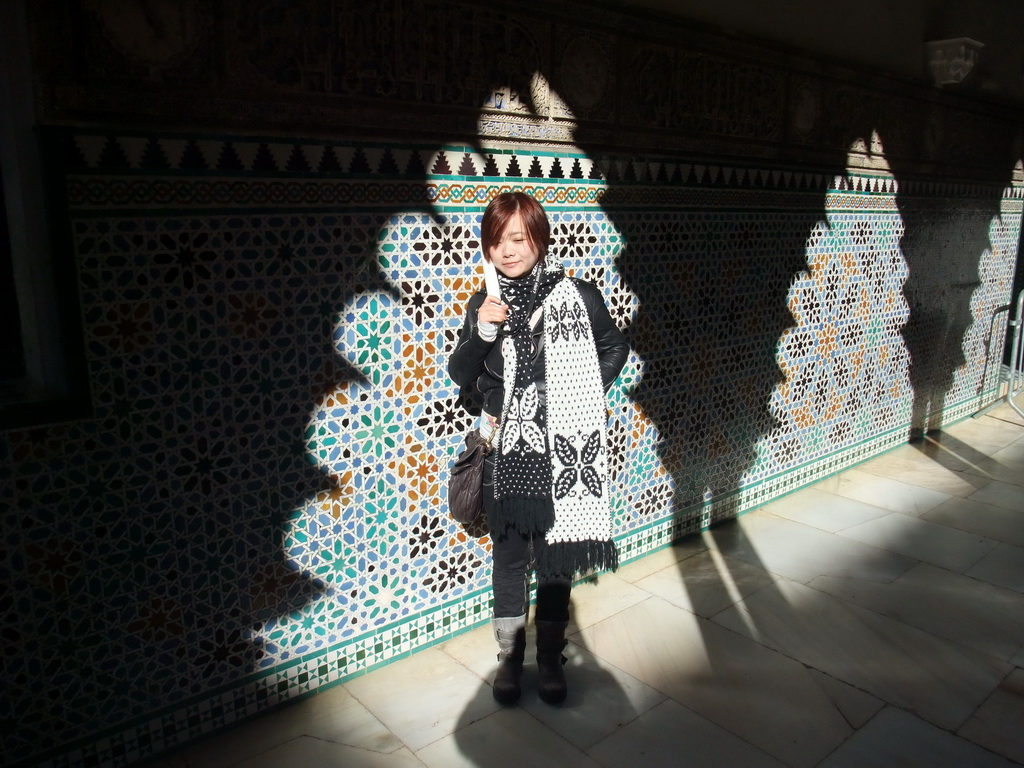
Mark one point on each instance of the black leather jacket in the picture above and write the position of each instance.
(478, 368)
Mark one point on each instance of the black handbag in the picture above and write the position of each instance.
(466, 481)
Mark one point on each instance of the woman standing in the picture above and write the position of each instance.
(538, 362)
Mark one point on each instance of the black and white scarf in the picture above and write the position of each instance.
(550, 474)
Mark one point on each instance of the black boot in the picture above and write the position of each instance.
(511, 636)
(550, 644)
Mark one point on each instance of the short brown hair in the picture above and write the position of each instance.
(502, 209)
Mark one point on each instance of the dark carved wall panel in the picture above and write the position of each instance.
(437, 68)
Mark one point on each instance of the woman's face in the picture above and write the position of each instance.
(515, 254)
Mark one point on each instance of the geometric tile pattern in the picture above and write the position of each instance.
(255, 508)
(984, 339)
(844, 361)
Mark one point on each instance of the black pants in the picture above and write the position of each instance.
(512, 555)
(510, 580)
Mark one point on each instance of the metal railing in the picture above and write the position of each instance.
(1015, 385)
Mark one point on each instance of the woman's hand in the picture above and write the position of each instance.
(492, 311)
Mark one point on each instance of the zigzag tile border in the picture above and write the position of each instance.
(239, 155)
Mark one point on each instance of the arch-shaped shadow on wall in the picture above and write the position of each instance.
(711, 287)
(712, 291)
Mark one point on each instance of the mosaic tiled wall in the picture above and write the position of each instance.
(255, 509)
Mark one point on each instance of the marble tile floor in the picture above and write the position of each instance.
(874, 619)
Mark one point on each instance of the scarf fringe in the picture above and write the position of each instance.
(525, 515)
(571, 557)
